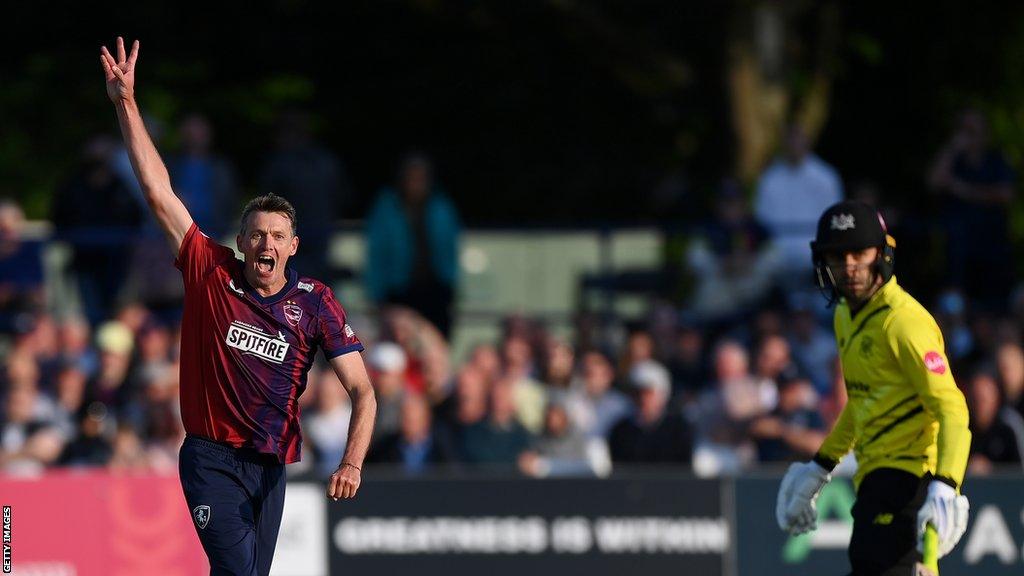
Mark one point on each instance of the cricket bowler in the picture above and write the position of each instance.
(249, 333)
(905, 419)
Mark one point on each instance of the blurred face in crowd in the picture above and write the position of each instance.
(21, 403)
(518, 355)
(11, 222)
(113, 368)
(415, 423)
(556, 421)
(640, 347)
(388, 383)
(73, 335)
(773, 357)
(731, 362)
(267, 242)
(471, 394)
(598, 373)
(503, 405)
(195, 135)
(1010, 362)
(485, 359)
(796, 144)
(155, 344)
(650, 403)
(797, 395)
(415, 180)
(984, 401)
(22, 370)
(71, 388)
(854, 273)
(560, 363)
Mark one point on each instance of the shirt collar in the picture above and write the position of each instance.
(880, 298)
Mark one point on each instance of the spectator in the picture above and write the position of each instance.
(316, 183)
(90, 447)
(563, 451)
(110, 385)
(1010, 367)
(71, 382)
(387, 362)
(412, 245)
(774, 362)
(813, 348)
(73, 337)
(795, 429)
(732, 259)
(593, 404)
(325, 427)
(94, 211)
(500, 439)
(203, 180)
(27, 442)
(22, 292)
(724, 412)
(994, 441)
(418, 445)
(791, 195)
(651, 435)
(468, 404)
(485, 358)
(639, 348)
(977, 186)
(687, 365)
(127, 453)
(528, 394)
(559, 360)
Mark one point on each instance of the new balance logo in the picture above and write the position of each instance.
(252, 340)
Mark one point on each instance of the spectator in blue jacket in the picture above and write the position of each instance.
(412, 248)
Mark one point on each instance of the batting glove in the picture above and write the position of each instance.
(947, 511)
(795, 508)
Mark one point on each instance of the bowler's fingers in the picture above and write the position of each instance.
(133, 55)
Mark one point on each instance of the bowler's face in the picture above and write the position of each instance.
(267, 242)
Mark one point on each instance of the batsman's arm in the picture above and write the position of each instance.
(838, 442)
(153, 178)
(917, 342)
(352, 372)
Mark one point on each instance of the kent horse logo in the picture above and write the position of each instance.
(201, 514)
(292, 313)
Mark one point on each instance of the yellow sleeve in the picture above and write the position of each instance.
(917, 342)
(838, 442)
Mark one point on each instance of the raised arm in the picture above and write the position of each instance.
(149, 168)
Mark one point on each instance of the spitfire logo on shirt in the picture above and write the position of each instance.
(935, 362)
(253, 340)
(843, 222)
(292, 313)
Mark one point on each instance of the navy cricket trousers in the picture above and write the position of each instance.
(236, 497)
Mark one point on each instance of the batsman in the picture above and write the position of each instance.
(905, 419)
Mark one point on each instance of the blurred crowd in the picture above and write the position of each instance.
(743, 372)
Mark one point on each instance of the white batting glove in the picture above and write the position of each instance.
(947, 511)
(795, 508)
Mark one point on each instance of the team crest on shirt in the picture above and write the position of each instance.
(935, 362)
(292, 313)
(867, 345)
(201, 514)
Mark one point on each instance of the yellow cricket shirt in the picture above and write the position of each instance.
(904, 409)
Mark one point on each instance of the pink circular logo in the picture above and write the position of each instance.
(935, 362)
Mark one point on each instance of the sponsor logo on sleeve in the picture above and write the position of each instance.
(349, 332)
(253, 340)
(307, 286)
(935, 362)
